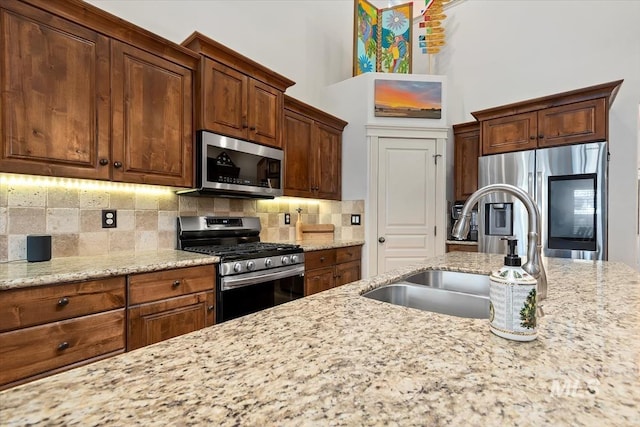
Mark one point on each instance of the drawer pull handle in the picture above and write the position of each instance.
(63, 301)
(321, 259)
(176, 283)
(210, 308)
(63, 346)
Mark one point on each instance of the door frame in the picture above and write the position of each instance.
(374, 133)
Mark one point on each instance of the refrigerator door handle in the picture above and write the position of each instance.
(539, 189)
(530, 185)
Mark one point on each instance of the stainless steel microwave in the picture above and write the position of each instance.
(231, 167)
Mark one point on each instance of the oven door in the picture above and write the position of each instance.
(250, 292)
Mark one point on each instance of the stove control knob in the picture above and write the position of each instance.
(250, 265)
(237, 267)
(285, 260)
(267, 262)
(294, 259)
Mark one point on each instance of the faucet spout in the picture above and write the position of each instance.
(534, 265)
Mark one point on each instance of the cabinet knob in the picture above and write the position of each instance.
(210, 308)
(117, 165)
(322, 259)
(252, 128)
(104, 162)
(381, 239)
(63, 301)
(532, 137)
(175, 284)
(540, 136)
(63, 346)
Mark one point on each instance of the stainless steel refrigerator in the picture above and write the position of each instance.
(569, 185)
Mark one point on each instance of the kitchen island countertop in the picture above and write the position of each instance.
(337, 358)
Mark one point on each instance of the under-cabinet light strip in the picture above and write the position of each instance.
(14, 180)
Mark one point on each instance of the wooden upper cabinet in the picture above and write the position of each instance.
(55, 95)
(236, 96)
(86, 94)
(466, 152)
(152, 135)
(312, 152)
(572, 117)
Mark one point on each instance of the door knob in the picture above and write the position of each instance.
(381, 239)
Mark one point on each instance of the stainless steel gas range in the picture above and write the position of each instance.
(252, 275)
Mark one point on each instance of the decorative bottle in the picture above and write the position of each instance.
(512, 299)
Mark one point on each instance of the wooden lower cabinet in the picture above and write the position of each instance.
(328, 268)
(165, 304)
(452, 247)
(158, 321)
(52, 328)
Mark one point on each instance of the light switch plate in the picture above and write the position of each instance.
(287, 219)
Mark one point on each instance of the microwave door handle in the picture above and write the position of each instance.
(233, 282)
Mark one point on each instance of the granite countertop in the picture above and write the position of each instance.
(337, 358)
(22, 274)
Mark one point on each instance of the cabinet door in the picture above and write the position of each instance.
(511, 133)
(298, 155)
(152, 133)
(265, 114)
(328, 152)
(154, 322)
(573, 123)
(467, 151)
(318, 280)
(55, 95)
(224, 100)
(347, 272)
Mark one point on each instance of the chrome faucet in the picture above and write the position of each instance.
(534, 265)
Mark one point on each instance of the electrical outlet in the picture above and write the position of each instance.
(355, 219)
(287, 219)
(109, 218)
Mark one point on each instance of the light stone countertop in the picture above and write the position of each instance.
(22, 274)
(337, 358)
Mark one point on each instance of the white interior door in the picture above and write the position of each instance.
(406, 202)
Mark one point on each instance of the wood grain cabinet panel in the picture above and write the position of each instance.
(465, 162)
(452, 247)
(147, 287)
(165, 304)
(312, 152)
(42, 304)
(158, 321)
(152, 134)
(577, 116)
(55, 95)
(328, 268)
(27, 352)
(236, 96)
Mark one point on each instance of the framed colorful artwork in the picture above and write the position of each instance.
(394, 35)
(408, 99)
(382, 38)
(365, 41)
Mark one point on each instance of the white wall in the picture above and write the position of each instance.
(500, 52)
(310, 42)
(497, 52)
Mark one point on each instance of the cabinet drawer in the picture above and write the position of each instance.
(38, 349)
(319, 259)
(147, 287)
(43, 304)
(351, 253)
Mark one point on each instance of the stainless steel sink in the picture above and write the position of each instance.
(445, 292)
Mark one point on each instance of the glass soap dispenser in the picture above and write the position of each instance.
(512, 299)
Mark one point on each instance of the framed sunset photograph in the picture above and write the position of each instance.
(408, 99)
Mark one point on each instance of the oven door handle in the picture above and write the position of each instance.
(232, 282)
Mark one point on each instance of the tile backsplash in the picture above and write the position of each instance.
(144, 221)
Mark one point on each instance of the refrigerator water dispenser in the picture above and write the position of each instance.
(498, 219)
